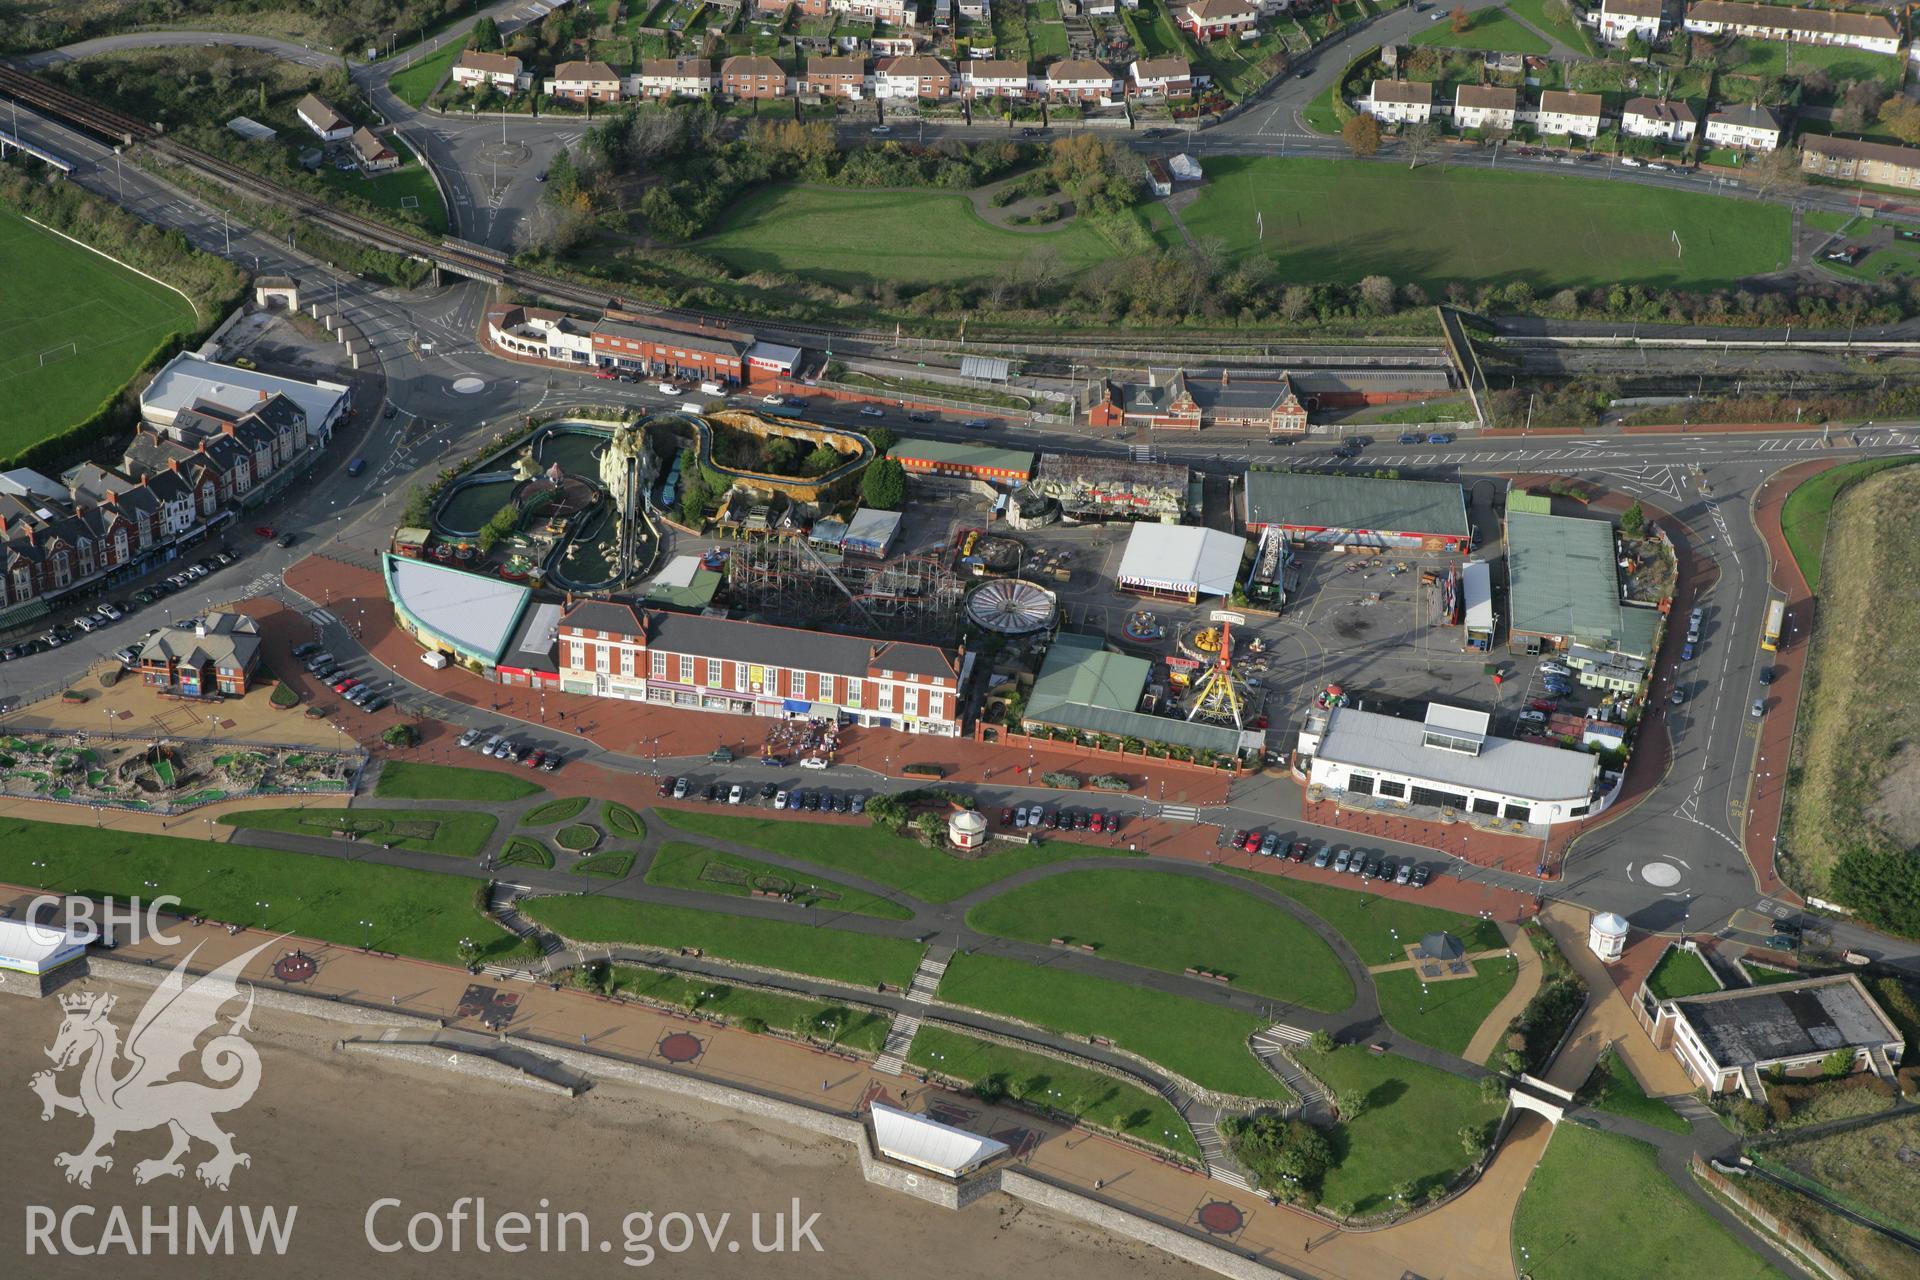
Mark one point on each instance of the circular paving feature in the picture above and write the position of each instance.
(504, 153)
(680, 1047)
(1218, 1218)
(469, 386)
(295, 966)
(1661, 875)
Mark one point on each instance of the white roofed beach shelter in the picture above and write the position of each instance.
(928, 1144)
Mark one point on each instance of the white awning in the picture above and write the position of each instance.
(1174, 557)
(928, 1144)
(1476, 584)
(39, 948)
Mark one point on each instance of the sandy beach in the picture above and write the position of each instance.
(332, 1133)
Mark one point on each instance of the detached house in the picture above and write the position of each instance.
(1666, 120)
(912, 77)
(752, 76)
(673, 78)
(1402, 101)
(1211, 19)
(1749, 127)
(500, 71)
(1620, 19)
(373, 155)
(1079, 80)
(837, 77)
(1160, 78)
(327, 124)
(217, 655)
(1575, 114)
(582, 82)
(994, 78)
(1485, 106)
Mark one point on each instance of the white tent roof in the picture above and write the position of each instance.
(678, 573)
(1476, 582)
(470, 610)
(916, 1140)
(36, 948)
(1182, 557)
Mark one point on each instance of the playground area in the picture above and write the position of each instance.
(163, 776)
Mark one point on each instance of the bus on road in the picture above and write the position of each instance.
(1776, 621)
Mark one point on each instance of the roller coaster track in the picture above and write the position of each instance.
(493, 266)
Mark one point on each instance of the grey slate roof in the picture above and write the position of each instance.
(750, 642)
(1356, 502)
(1749, 1025)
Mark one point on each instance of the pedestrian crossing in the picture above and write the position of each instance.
(322, 618)
(1180, 812)
(1280, 1035)
(264, 584)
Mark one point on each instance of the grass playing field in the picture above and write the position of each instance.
(1643, 1225)
(1169, 922)
(846, 237)
(405, 780)
(73, 327)
(1336, 220)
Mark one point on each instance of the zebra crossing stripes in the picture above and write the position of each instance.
(1180, 812)
(1282, 1034)
(321, 617)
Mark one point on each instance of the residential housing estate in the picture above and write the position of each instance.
(1849, 160)
(1874, 32)
(499, 71)
(1485, 106)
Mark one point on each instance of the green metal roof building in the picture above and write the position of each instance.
(964, 460)
(1564, 585)
(1337, 510)
(1083, 685)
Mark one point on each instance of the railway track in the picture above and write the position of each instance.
(493, 266)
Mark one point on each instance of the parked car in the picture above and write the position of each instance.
(536, 758)
(1677, 697)
(1101, 823)
(711, 792)
(768, 790)
(1409, 437)
(288, 539)
(813, 801)
(1323, 855)
(666, 788)
(736, 794)
(375, 703)
(780, 799)
(1082, 820)
(857, 805)
(1419, 878)
(1405, 872)
(1269, 845)
(553, 762)
(1759, 707)
(1686, 653)
(841, 803)
(1342, 858)
(306, 650)
(1555, 669)
(1543, 704)
(357, 466)
(1533, 717)
(1252, 842)
(680, 787)
(1766, 675)
(1371, 867)
(1020, 818)
(1297, 851)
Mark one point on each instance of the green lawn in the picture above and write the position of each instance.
(404, 780)
(524, 852)
(558, 809)
(833, 954)
(1170, 922)
(1761, 975)
(73, 328)
(1598, 1207)
(1059, 1086)
(1451, 1012)
(1778, 58)
(1679, 974)
(1379, 928)
(866, 1031)
(833, 234)
(610, 864)
(1408, 1130)
(416, 913)
(1490, 30)
(1612, 1087)
(1573, 34)
(1319, 113)
(1203, 1042)
(413, 85)
(899, 861)
(622, 821)
(457, 833)
(1336, 220)
(395, 188)
(1803, 517)
(690, 866)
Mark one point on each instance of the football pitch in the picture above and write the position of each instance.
(1335, 220)
(73, 327)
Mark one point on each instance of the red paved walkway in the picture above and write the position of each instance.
(1761, 836)
(358, 597)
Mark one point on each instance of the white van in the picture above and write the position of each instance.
(665, 388)
(438, 661)
(692, 406)
(713, 388)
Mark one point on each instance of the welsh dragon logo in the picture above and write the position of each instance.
(133, 1088)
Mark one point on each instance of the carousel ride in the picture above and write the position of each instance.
(1012, 607)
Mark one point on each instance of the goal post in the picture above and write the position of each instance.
(53, 355)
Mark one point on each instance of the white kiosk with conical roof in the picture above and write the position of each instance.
(1607, 936)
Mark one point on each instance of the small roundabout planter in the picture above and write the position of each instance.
(578, 838)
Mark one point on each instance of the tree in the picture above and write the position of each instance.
(1777, 170)
(1405, 1191)
(932, 827)
(1350, 1103)
(1322, 1042)
(1459, 19)
(486, 35)
(883, 440)
(1376, 295)
(1633, 521)
(1838, 1063)
(1492, 1088)
(400, 735)
(1637, 46)
(991, 1089)
(823, 459)
(1560, 13)
(1473, 1140)
(1901, 115)
(1362, 135)
(884, 486)
(1281, 1153)
(829, 1022)
(1419, 140)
